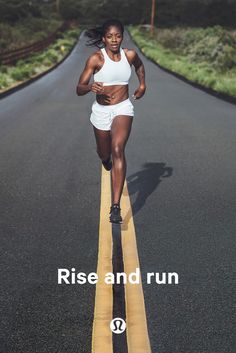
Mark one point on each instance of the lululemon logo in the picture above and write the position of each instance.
(118, 325)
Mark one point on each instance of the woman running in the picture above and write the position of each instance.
(112, 112)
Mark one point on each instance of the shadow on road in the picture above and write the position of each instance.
(146, 181)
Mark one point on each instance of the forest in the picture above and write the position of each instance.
(168, 12)
(194, 38)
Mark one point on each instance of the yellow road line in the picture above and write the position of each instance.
(102, 335)
(137, 332)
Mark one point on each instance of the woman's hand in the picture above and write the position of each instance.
(139, 92)
(97, 87)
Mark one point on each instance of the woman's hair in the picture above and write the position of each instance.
(95, 34)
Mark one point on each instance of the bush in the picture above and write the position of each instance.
(13, 10)
(65, 42)
(20, 63)
(46, 62)
(37, 58)
(212, 45)
(40, 35)
(3, 81)
(5, 34)
(26, 31)
(3, 69)
(36, 63)
(217, 47)
(69, 9)
(214, 50)
(171, 39)
(52, 55)
(73, 33)
(21, 73)
(224, 57)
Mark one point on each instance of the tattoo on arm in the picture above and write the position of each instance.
(140, 71)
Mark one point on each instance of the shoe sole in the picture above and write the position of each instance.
(119, 222)
(116, 222)
(108, 170)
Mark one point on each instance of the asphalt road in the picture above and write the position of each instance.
(181, 179)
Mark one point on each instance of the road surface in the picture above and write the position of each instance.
(181, 183)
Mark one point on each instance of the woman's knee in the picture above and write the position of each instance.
(117, 151)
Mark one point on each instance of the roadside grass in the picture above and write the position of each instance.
(26, 32)
(205, 56)
(34, 65)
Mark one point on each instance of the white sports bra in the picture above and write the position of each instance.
(113, 72)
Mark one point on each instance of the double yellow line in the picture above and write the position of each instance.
(136, 331)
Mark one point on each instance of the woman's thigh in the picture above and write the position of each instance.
(120, 130)
(103, 141)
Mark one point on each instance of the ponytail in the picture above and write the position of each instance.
(95, 34)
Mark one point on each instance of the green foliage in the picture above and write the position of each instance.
(3, 81)
(223, 57)
(37, 63)
(195, 13)
(3, 69)
(22, 72)
(213, 45)
(169, 12)
(52, 55)
(5, 33)
(69, 9)
(95, 12)
(25, 32)
(206, 56)
(72, 33)
(62, 42)
(13, 10)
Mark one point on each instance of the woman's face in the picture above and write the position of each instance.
(113, 38)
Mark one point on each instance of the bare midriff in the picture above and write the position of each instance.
(115, 94)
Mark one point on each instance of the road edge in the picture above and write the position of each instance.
(220, 95)
(35, 78)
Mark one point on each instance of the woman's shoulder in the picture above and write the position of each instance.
(126, 50)
(130, 55)
(95, 58)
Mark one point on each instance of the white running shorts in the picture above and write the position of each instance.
(103, 115)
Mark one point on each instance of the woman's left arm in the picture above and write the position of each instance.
(140, 72)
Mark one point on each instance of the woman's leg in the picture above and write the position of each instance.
(120, 131)
(103, 140)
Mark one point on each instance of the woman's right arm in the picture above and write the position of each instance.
(83, 85)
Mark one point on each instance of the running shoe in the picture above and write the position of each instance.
(107, 164)
(115, 216)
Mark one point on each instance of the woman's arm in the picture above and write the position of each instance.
(140, 72)
(83, 85)
(139, 69)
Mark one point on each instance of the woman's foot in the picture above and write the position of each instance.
(115, 216)
(107, 164)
